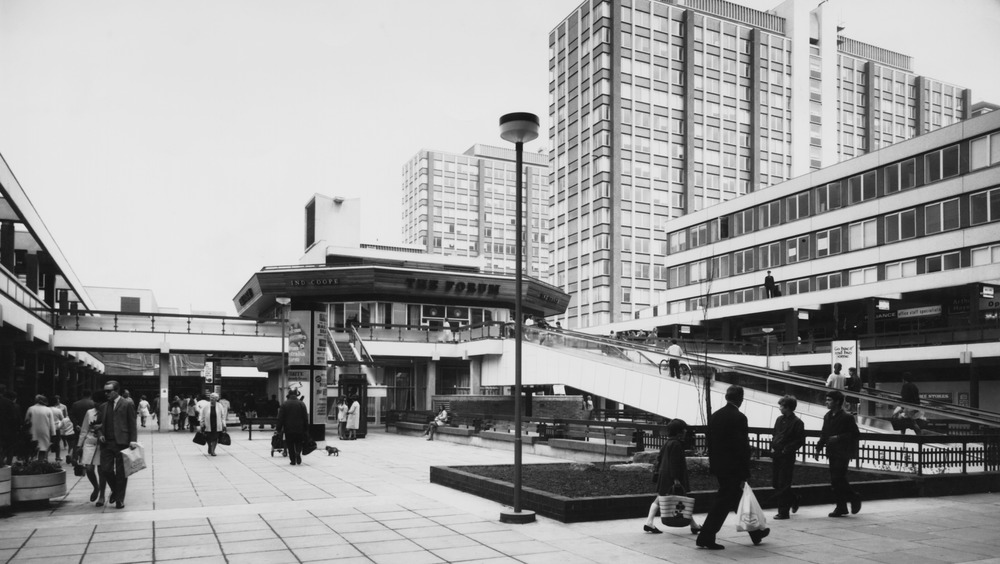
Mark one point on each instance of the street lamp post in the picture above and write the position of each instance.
(518, 128)
(283, 380)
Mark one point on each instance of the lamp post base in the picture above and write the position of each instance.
(517, 518)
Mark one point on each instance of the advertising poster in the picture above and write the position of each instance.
(298, 338)
(846, 353)
(319, 406)
(298, 380)
(319, 339)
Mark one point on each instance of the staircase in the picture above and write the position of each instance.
(347, 352)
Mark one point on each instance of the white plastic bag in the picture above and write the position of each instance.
(134, 459)
(751, 516)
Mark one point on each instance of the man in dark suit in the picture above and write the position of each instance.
(118, 432)
(729, 461)
(840, 439)
(293, 420)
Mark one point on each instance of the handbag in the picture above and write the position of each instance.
(751, 516)
(199, 438)
(134, 459)
(676, 508)
(277, 443)
(224, 439)
(308, 446)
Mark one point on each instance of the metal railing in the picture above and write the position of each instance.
(116, 321)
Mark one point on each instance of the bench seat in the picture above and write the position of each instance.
(409, 426)
(459, 431)
(507, 437)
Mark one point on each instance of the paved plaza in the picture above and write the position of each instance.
(374, 503)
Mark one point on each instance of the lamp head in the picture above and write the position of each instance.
(519, 127)
(283, 301)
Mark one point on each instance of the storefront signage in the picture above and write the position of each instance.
(926, 311)
(319, 340)
(452, 286)
(844, 352)
(936, 396)
(302, 282)
(319, 394)
(246, 297)
(298, 338)
(989, 304)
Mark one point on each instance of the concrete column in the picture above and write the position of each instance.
(7, 245)
(475, 375)
(973, 374)
(164, 411)
(431, 383)
(31, 271)
(7, 366)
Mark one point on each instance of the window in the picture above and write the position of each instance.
(946, 261)
(942, 216)
(797, 206)
(798, 249)
(862, 235)
(863, 276)
(698, 235)
(941, 164)
(861, 187)
(720, 267)
(742, 222)
(899, 226)
(827, 281)
(900, 176)
(985, 206)
(797, 287)
(743, 261)
(985, 151)
(769, 256)
(697, 272)
(768, 215)
(985, 255)
(828, 197)
(901, 269)
(130, 305)
(677, 276)
(828, 242)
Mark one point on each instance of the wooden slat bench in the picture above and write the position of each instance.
(260, 422)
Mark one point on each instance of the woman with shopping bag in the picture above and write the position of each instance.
(213, 422)
(671, 477)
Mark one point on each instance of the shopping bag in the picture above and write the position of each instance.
(751, 516)
(675, 509)
(224, 439)
(199, 438)
(134, 459)
(308, 446)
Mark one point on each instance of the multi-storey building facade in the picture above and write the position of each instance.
(658, 109)
(463, 205)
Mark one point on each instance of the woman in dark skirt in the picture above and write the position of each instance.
(213, 422)
(672, 472)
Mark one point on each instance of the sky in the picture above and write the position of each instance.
(172, 145)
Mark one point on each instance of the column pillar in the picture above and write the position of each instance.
(31, 271)
(431, 383)
(475, 375)
(973, 375)
(163, 413)
(7, 245)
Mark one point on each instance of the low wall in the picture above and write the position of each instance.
(548, 407)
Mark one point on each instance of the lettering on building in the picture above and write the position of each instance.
(302, 282)
(246, 297)
(467, 288)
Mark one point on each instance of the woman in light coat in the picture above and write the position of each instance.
(213, 421)
(43, 425)
(353, 418)
(91, 444)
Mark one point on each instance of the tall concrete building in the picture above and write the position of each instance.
(662, 108)
(463, 205)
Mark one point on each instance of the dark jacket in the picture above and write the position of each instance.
(672, 466)
(789, 435)
(729, 443)
(839, 436)
(293, 417)
(118, 421)
(79, 410)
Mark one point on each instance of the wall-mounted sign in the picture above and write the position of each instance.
(846, 353)
(936, 396)
(298, 338)
(451, 286)
(926, 311)
(301, 282)
(993, 303)
(986, 291)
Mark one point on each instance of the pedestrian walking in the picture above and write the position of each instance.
(840, 439)
(55, 441)
(43, 425)
(143, 410)
(192, 413)
(837, 379)
(90, 448)
(672, 473)
(341, 419)
(77, 411)
(293, 421)
(788, 437)
(118, 432)
(213, 422)
(729, 461)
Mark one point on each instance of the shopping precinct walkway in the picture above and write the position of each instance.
(374, 503)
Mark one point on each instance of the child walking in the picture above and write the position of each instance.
(672, 472)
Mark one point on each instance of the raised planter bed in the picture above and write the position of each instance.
(572, 510)
(37, 487)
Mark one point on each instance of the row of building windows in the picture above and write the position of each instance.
(929, 219)
(910, 173)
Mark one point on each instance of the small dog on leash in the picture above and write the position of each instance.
(332, 450)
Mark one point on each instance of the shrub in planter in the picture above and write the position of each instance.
(37, 480)
(34, 468)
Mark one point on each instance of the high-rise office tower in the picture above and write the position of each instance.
(660, 108)
(463, 205)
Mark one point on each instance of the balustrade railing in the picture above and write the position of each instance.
(115, 321)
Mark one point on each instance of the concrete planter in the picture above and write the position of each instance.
(5, 487)
(38, 486)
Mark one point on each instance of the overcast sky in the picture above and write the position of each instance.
(172, 144)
